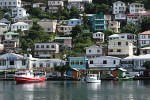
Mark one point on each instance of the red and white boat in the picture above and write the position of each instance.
(29, 76)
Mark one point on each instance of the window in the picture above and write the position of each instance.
(47, 46)
(98, 50)
(81, 62)
(23, 62)
(37, 46)
(91, 61)
(126, 43)
(11, 63)
(111, 50)
(89, 50)
(34, 65)
(77, 62)
(72, 63)
(119, 43)
(118, 50)
(104, 61)
(53, 56)
(41, 64)
(42, 46)
(114, 62)
(52, 46)
(122, 36)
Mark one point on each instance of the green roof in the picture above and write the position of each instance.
(11, 33)
(63, 37)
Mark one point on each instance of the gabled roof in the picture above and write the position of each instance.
(3, 24)
(114, 35)
(145, 32)
(11, 33)
(20, 23)
(11, 55)
(4, 20)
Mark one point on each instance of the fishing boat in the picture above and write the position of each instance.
(29, 76)
(92, 78)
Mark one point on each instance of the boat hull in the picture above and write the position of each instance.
(29, 80)
(92, 80)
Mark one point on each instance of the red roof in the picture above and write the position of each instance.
(145, 32)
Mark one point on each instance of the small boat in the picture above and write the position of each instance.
(92, 78)
(29, 76)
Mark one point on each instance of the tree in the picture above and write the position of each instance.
(145, 25)
(62, 69)
(74, 12)
(146, 64)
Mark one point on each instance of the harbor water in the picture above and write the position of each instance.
(76, 90)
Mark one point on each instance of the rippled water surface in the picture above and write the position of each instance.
(76, 90)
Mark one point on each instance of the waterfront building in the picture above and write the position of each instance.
(79, 63)
(46, 50)
(17, 61)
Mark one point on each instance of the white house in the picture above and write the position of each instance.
(74, 22)
(10, 4)
(3, 28)
(123, 36)
(39, 5)
(98, 37)
(16, 61)
(104, 63)
(19, 25)
(54, 5)
(94, 51)
(145, 50)
(144, 38)
(46, 50)
(66, 30)
(120, 47)
(120, 16)
(19, 12)
(119, 7)
(114, 26)
(136, 8)
(79, 4)
(133, 18)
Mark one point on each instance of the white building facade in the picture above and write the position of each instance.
(98, 37)
(119, 7)
(144, 38)
(19, 25)
(10, 4)
(136, 8)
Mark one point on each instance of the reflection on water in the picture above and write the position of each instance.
(75, 90)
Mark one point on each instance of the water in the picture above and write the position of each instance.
(75, 90)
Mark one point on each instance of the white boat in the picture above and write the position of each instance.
(92, 78)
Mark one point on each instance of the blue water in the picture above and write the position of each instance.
(76, 90)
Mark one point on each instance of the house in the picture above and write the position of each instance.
(98, 22)
(145, 50)
(114, 26)
(136, 8)
(79, 63)
(64, 30)
(39, 5)
(3, 28)
(133, 18)
(119, 7)
(79, 4)
(120, 48)
(119, 73)
(98, 37)
(11, 41)
(74, 22)
(19, 25)
(16, 61)
(144, 38)
(120, 17)
(5, 21)
(46, 50)
(123, 36)
(94, 51)
(55, 5)
(104, 63)
(64, 42)
(48, 25)
(28, 21)
(10, 4)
